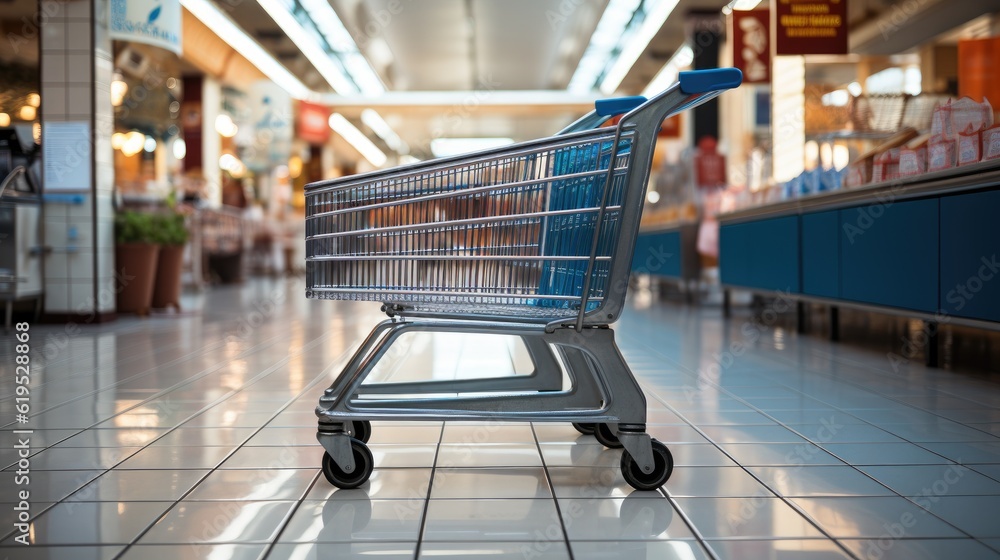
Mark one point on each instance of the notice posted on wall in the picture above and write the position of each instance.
(66, 156)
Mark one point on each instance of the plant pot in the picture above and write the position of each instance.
(135, 267)
(169, 266)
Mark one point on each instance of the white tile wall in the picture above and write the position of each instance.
(79, 65)
(78, 9)
(56, 267)
(78, 101)
(54, 36)
(55, 106)
(78, 212)
(54, 231)
(54, 68)
(80, 233)
(56, 296)
(81, 296)
(55, 211)
(78, 35)
(81, 265)
(76, 71)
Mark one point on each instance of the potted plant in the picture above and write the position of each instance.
(136, 252)
(171, 234)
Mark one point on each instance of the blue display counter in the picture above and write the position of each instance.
(925, 247)
(669, 252)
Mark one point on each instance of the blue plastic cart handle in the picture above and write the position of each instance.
(617, 105)
(703, 81)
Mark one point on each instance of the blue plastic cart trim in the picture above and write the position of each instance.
(703, 81)
(617, 105)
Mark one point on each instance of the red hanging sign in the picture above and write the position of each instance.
(810, 27)
(751, 42)
(314, 123)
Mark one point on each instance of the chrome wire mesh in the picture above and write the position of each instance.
(503, 233)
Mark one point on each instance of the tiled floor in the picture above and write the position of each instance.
(193, 437)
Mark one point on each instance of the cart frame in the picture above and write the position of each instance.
(603, 392)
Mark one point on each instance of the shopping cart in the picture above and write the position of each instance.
(534, 240)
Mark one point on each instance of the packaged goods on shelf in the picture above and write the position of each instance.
(940, 154)
(991, 143)
(886, 167)
(913, 157)
(970, 146)
(859, 173)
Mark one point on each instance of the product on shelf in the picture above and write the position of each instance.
(913, 157)
(886, 166)
(957, 128)
(991, 143)
(866, 169)
(940, 154)
(859, 173)
(970, 146)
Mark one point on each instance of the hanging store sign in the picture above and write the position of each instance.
(271, 125)
(314, 123)
(751, 42)
(153, 22)
(810, 27)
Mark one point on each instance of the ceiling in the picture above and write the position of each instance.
(480, 47)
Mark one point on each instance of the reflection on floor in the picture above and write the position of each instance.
(194, 437)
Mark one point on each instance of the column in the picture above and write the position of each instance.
(78, 213)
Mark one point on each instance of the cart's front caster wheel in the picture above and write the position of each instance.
(663, 465)
(362, 430)
(364, 464)
(584, 428)
(607, 436)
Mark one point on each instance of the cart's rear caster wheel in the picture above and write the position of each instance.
(362, 430)
(584, 428)
(364, 464)
(607, 436)
(663, 465)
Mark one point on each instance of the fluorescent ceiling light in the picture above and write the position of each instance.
(359, 71)
(636, 44)
(374, 121)
(670, 71)
(605, 38)
(356, 138)
(309, 46)
(743, 4)
(444, 147)
(221, 25)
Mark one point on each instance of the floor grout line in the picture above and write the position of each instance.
(430, 489)
(552, 488)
